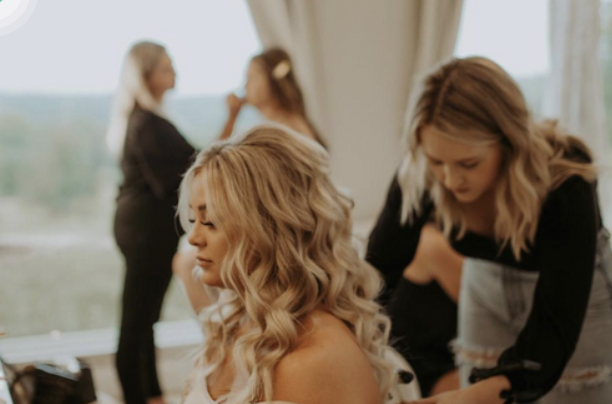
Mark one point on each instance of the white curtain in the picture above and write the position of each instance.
(291, 25)
(356, 60)
(574, 93)
(438, 26)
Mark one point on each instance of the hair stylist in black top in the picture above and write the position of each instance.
(518, 199)
(153, 155)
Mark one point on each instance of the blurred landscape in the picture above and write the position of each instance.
(59, 266)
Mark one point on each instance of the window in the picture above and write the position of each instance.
(59, 266)
(605, 48)
(514, 34)
(605, 51)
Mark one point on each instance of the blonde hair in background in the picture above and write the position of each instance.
(474, 101)
(137, 66)
(291, 252)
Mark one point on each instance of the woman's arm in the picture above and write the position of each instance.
(392, 246)
(436, 260)
(484, 392)
(234, 105)
(567, 238)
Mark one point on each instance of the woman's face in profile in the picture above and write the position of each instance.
(467, 171)
(210, 241)
(257, 85)
(162, 77)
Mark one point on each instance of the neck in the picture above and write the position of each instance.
(158, 97)
(480, 214)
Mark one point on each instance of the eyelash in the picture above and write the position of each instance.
(210, 224)
(467, 166)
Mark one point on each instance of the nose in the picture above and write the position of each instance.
(452, 179)
(196, 236)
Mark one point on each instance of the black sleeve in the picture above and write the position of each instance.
(163, 156)
(567, 238)
(392, 246)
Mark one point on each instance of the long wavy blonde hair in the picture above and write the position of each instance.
(290, 252)
(474, 101)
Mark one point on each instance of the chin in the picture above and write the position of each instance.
(466, 198)
(211, 278)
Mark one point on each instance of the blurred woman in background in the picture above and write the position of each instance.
(271, 87)
(153, 156)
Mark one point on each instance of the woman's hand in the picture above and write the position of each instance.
(485, 392)
(182, 266)
(451, 397)
(234, 104)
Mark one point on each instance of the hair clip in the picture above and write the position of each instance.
(281, 69)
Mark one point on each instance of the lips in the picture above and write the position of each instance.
(203, 261)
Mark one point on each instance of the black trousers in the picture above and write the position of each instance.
(148, 262)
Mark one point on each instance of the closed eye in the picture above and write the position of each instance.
(209, 224)
(470, 165)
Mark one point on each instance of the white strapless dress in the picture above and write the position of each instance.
(199, 393)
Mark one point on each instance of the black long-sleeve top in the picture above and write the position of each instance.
(563, 253)
(155, 156)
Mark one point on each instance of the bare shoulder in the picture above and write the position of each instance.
(328, 366)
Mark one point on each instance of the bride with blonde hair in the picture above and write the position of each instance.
(295, 319)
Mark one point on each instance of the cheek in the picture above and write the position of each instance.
(256, 89)
(438, 172)
(262, 88)
(219, 246)
(250, 89)
(158, 81)
(486, 176)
